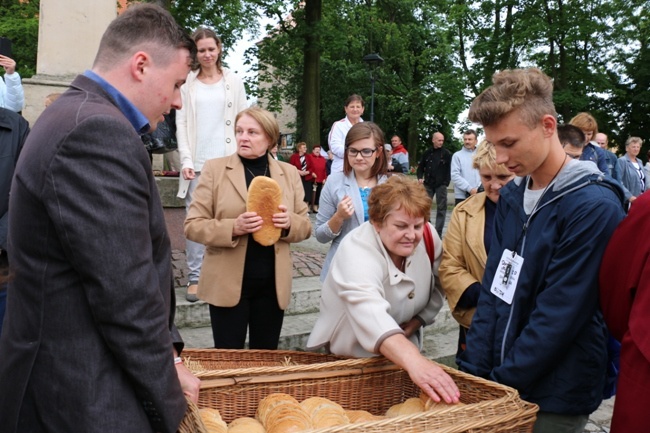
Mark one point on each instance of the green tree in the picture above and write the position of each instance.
(416, 88)
(19, 23)
(629, 73)
(228, 18)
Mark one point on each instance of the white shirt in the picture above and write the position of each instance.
(210, 134)
(336, 141)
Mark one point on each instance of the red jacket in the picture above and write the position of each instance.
(317, 165)
(295, 160)
(625, 301)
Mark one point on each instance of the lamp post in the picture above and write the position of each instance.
(373, 60)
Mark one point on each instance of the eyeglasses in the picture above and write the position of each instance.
(366, 153)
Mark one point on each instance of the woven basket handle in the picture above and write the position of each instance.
(192, 422)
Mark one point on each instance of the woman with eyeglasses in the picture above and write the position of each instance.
(344, 199)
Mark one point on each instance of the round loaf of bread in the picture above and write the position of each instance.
(246, 425)
(357, 416)
(212, 421)
(324, 413)
(264, 197)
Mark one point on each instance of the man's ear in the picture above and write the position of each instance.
(140, 62)
(549, 124)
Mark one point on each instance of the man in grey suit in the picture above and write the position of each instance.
(89, 343)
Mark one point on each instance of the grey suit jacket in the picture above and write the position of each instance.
(337, 186)
(88, 335)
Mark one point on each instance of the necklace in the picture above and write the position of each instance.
(266, 170)
(368, 183)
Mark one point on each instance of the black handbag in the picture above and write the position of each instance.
(163, 139)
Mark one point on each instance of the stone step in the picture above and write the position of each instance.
(440, 339)
(305, 298)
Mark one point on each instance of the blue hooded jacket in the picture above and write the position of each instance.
(550, 343)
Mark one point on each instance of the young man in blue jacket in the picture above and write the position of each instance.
(538, 327)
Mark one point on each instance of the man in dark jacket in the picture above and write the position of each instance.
(89, 342)
(13, 132)
(434, 170)
(538, 327)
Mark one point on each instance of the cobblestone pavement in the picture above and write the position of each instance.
(308, 258)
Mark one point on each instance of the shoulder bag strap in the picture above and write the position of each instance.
(428, 241)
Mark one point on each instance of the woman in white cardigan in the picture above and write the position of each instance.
(381, 290)
(212, 96)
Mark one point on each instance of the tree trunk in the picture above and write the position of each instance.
(310, 94)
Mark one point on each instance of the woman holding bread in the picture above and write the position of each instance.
(344, 198)
(382, 287)
(247, 283)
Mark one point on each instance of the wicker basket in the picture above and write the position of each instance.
(192, 421)
(224, 363)
(373, 385)
(206, 360)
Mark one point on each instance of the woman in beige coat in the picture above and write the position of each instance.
(247, 285)
(467, 241)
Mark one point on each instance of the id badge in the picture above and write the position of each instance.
(507, 275)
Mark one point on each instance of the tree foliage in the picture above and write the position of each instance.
(438, 55)
(19, 23)
(417, 91)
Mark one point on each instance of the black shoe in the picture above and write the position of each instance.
(191, 297)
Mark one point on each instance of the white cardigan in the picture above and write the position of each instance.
(365, 297)
(186, 117)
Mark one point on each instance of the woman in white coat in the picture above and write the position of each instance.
(381, 290)
(212, 96)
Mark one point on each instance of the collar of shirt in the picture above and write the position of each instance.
(130, 111)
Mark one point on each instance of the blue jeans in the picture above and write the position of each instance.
(193, 250)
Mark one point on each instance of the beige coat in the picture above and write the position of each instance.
(219, 198)
(464, 256)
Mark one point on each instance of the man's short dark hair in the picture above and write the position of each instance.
(143, 26)
(572, 135)
(471, 132)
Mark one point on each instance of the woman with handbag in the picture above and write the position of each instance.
(382, 287)
(212, 96)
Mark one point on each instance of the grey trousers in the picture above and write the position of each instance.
(441, 205)
(555, 423)
(193, 250)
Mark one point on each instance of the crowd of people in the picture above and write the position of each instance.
(542, 265)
